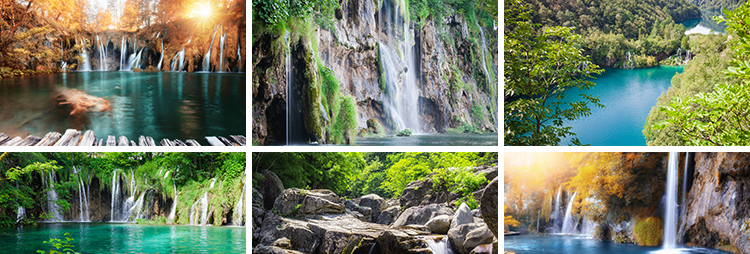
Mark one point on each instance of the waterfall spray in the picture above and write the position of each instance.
(221, 52)
(161, 59)
(670, 216)
(207, 58)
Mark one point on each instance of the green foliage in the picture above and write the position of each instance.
(60, 245)
(407, 167)
(331, 171)
(459, 180)
(271, 11)
(648, 231)
(404, 133)
(540, 65)
(718, 117)
(381, 78)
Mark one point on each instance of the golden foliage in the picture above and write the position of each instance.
(648, 231)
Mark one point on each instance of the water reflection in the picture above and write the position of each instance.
(160, 105)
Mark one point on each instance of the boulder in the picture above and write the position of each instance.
(414, 193)
(466, 237)
(262, 249)
(392, 241)
(421, 214)
(439, 224)
(387, 216)
(270, 188)
(374, 202)
(297, 202)
(283, 243)
(462, 216)
(488, 206)
(276, 227)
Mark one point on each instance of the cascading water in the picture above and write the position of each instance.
(63, 64)
(102, 55)
(181, 61)
(21, 214)
(161, 59)
(86, 65)
(170, 219)
(484, 52)
(221, 52)
(400, 69)
(239, 58)
(207, 58)
(556, 213)
(588, 227)
(123, 53)
(83, 197)
(238, 214)
(53, 209)
(203, 205)
(569, 226)
(629, 64)
(115, 194)
(441, 247)
(670, 216)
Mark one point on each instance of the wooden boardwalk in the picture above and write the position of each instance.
(76, 138)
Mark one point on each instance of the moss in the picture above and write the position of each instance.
(381, 79)
(648, 231)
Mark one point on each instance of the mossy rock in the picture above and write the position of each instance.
(648, 231)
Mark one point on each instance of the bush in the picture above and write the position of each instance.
(648, 231)
(404, 133)
(60, 245)
(272, 11)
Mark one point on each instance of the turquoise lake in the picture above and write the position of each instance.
(628, 96)
(548, 244)
(125, 238)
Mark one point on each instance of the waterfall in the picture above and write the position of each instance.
(86, 65)
(123, 52)
(136, 211)
(135, 59)
(289, 87)
(484, 51)
(687, 56)
(400, 69)
(629, 62)
(239, 57)
(181, 56)
(53, 209)
(115, 195)
(568, 226)
(588, 227)
(239, 209)
(170, 219)
(21, 214)
(556, 213)
(221, 52)
(63, 64)
(372, 247)
(83, 200)
(441, 247)
(161, 59)
(670, 218)
(207, 58)
(102, 55)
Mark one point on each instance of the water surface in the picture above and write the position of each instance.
(705, 24)
(432, 140)
(125, 238)
(628, 96)
(157, 104)
(548, 244)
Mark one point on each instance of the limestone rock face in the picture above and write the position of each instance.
(305, 202)
(466, 237)
(388, 215)
(488, 206)
(718, 204)
(439, 224)
(463, 216)
(420, 215)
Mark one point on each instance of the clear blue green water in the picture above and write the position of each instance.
(125, 238)
(548, 244)
(158, 104)
(628, 96)
(432, 140)
(705, 24)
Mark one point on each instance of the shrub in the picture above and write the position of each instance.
(648, 231)
(60, 245)
(404, 133)
(272, 11)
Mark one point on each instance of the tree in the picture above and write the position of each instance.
(540, 65)
(719, 117)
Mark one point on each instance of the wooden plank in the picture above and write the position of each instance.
(63, 141)
(4, 138)
(214, 141)
(111, 140)
(49, 139)
(13, 142)
(132, 143)
(75, 139)
(178, 142)
(239, 139)
(30, 141)
(192, 142)
(88, 139)
(100, 143)
(227, 142)
(166, 142)
(150, 141)
(142, 141)
(123, 141)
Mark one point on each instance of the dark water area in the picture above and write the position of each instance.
(125, 238)
(705, 24)
(490, 139)
(628, 96)
(158, 104)
(549, 244)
